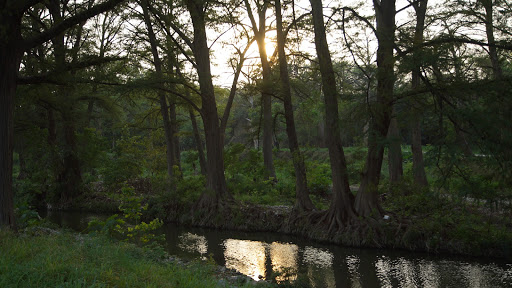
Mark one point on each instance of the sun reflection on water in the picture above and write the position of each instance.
(247, 257)
(317, 267)
(284, 261)
(317, 257)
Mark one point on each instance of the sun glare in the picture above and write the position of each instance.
(270, 47)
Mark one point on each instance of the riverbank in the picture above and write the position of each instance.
(49, 257)
(416, 222)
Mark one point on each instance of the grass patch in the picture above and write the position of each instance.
(49, 258)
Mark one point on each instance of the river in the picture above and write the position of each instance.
(305, 263)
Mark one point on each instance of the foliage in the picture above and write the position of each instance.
(129, 227)
(125, 162)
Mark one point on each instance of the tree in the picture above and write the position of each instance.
(418, 165)
(157, 62)
(302, 200)
(13, 45)
(341, 211)
(266, 94)
(216, 192)
(367, 200)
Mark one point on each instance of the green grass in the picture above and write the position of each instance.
(64, 259)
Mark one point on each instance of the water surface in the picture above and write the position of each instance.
(283, 258)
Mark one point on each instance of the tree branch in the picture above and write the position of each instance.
(69, 22)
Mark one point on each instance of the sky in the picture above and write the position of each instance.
(223, 73)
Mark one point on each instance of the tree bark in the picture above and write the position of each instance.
(367, 200)
(341, 211)
(199, 142)
(10, 59)
(418, 165)
(71, 176)
(395, 158)
(216, 189)
(302, 200)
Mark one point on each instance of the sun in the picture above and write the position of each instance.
(270, 47)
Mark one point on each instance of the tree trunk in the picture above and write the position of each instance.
(71, 176)
(367, 200)
(395, 167)
(489, 30)
(199, 142)
(175, 135)
(302, 200)
(418, 165)
(216, 189)
(341, 211)
(10, 58)
(266, 92)
(169, 141)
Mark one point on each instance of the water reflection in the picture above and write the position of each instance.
(193, 243)
(320, 267)
(284, 261)
(247, 257)
(319, 264)
(317, 257)
(403, 272)
(353, 267)
(308, 264)
(428, 274)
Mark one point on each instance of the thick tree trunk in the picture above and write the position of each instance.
(395, 158)
(216, 189)
(367, 200)
(199, 142)
(302, 200)
(418, 165)
(10, 58)
(169, 141)
(70, 178)
(341, 211)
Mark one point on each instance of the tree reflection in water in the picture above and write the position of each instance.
(273, 256)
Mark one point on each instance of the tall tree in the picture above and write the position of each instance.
(418, 165)
(302, 200)
(216, 193)
(13, 45)
(266, 93)
(341, 211)
(70, 177)
(367, 200)
(157, 62)
(489, 31)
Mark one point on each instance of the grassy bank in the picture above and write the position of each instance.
(44, 257)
